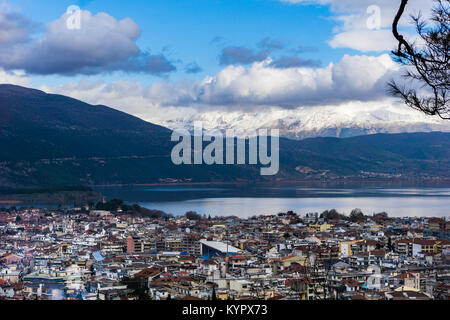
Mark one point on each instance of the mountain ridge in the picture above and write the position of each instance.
(310, 122)
(53, 140)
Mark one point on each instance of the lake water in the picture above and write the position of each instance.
(395, 199)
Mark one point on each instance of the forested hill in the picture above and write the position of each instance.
(48, 140)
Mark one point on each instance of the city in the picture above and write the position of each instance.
(84, 253)
(224, 159)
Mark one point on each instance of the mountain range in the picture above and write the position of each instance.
(321, 121)
(54, 140)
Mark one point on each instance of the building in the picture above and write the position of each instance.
(214, 248)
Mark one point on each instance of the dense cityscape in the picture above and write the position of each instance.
(89, 253)
(226, 159)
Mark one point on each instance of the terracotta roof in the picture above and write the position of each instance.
(350, 283)
(405, 275)
(148, 272)
(379, 252)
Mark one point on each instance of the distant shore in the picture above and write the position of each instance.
(282, 182)
(62, 197)
(10, 202)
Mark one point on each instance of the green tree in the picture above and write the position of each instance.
(357, 215)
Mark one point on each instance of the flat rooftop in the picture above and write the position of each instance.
(220, 246)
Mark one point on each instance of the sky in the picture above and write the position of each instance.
(167, 61)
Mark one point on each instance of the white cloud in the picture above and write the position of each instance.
(383, 115)
(364, 40)
(300, 101)
(14, 77)
(13, 28)
(101, 44)
(239, 96)
(354, 78)
(352, 16)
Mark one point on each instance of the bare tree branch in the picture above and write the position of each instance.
(427, 64)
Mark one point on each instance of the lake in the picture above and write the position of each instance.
(244, 201)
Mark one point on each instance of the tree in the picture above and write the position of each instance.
(192, 215)
(112, 205)
(427, 61)
(357, 216)
(331, 215)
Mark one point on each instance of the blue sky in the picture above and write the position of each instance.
(233, 63)
(184, 31)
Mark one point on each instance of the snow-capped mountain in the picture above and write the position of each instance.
(344, 121)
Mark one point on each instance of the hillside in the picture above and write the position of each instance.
(48, 140)
(51, 140)
(405, 155)
(35, 125)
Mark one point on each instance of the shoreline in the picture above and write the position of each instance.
(62, 198)
(10, 202)
(417, 182)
